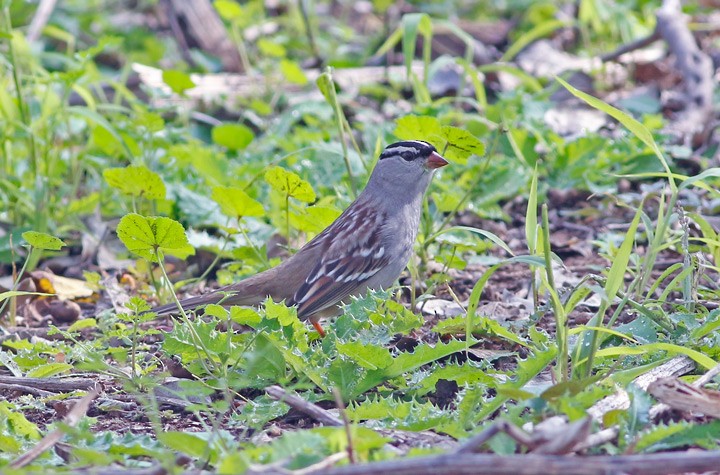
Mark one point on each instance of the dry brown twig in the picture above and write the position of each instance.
(72, 419)
(676, 394)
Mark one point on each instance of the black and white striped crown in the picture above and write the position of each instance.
(409, 150)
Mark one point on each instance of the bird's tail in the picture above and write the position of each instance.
(190, 303)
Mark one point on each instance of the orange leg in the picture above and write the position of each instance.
(319, 328)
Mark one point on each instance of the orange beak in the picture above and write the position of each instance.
(435, 160)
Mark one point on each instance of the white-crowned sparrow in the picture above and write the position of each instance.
(366, 247)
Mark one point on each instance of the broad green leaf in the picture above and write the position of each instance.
(245, 316)
(293, 72)
(289, 183)
(265, 361)
(150, 120)
(16, 422)
(136, 180)
(43, 241)
(314, 219)
(461, 144)
(235, 203)
(188, 443)
(82, 324)
(229, 10)
(143, 235)
(287, 316)
(423, 127)
(178, 81)
(368, 356)
(271, 48)
(232, 136)
(48, 370)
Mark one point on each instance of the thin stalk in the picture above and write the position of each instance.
(561, 330)
(197, 342)
(239, 38)
(309, 31)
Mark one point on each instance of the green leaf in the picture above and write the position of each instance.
(19, 293)
(48, 370)
(229, 10)
(327, 87)
(616, 275)
(265, 361)
(366, 355)
(178, 81)
(314, 219)
(235, 203)
(289, 183)
(526, 370)
(136, 180)
(541, 30)
(287, 316)
(82, 324)
(16, 422)
(187, 443)
(43, 241)
(293, 72)
(245, 316)
(143, 235)
(531, 218)
(460, 144)
(232, 136)
(638, 129)
(412, 24)
(650, 348)
(271, 48)
(414, 127)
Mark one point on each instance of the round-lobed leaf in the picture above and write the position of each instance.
(290, 183)
(144, 235)
(136, 180)
(232, 136)
(235, 203)
(43, 241)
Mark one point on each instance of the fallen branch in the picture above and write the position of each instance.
(42, 15)
(696, 69)
(54, 385)
(484, 464)
(299, 404)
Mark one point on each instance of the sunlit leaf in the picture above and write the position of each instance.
(293, 72)
(178, 81)
(143, 235)
(232, 136)
(136, 180)
(235, 203)
(43, 241)
(289, 183)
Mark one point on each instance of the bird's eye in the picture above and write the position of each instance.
(408, 156)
